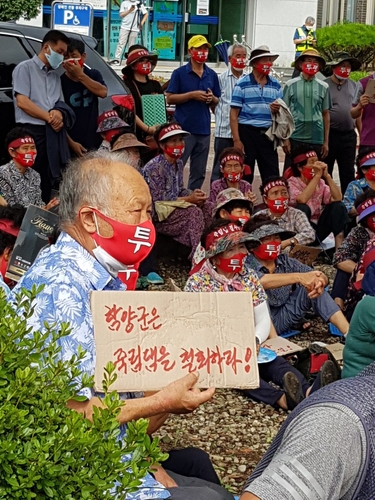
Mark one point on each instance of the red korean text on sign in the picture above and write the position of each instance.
(116, 317)
(135, 359)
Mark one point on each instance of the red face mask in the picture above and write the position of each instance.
(232, 265)
(278, 206)
(371, 223)
(238, 62)
(342, 73)
(308, 173)
(199, 56)
(175, 151)
(26, 159)
(241, 219)
(310, 68)
(110, 134)
(3, 270)
(233, 176)
(370, 174)
(263, 68)
(143, 68)
(268, 251)
(130, 243)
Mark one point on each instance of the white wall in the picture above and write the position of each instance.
(275, 24)
(36, 21)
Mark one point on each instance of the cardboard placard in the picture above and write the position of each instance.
(370, 90)
(154, 338)
(337, 350)
(281, 346)
(36, 229)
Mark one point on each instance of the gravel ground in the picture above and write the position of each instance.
(234, 430)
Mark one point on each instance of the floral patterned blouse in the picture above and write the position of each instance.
(320, 197)
(165, 180)
(353, 246)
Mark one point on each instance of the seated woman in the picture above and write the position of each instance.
(19, 182)
(279, 273)
(183, 217)
(231, 170)
(128, 147)
(224, 270)
(313, 191)
(359, 350)
(110, 126)
(276, 196)
(366, 179)
(349, 254)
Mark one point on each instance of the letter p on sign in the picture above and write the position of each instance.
(68, 15)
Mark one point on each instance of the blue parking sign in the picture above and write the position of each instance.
(72, 16)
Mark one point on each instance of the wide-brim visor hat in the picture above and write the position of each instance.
(271, 230)
(340, 57)
(367, 160)
(309, 53)
(366, 208)
(228, 241)
(138, 54)
(262, 51)
(170, 131)
(128, 141)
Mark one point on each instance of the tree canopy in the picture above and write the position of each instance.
(11, 10)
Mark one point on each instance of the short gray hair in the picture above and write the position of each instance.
(82, 184)
(232, 47)
(310, 21)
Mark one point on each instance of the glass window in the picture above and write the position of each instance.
(13, 51)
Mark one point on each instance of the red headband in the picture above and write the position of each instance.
(370, 156)
(304, 156)
(6, 225)
(366, 204)
(220, 232)
(272, 184)
(231, 157)
(20, 142)
(168, 129)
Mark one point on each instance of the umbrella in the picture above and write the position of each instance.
(222, 47)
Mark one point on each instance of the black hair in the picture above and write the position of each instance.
(273, 178)
(216, 223)
(17, 133)
(364, 151)
(256, 222)
(233, 204)
(366, 195)
(15, 213)
(75, 44)
(55, 36)
(300, 150)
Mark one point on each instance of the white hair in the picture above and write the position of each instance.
(310, 21)
(234, 46)
(84, 185)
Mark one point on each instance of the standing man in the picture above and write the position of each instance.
(253, 101)
(309, 102)
(36, 90)
(227, 80)
(82, 87)
(194, 89)
(342, 135)
(130, 13)
(304, 38)
(364, 109)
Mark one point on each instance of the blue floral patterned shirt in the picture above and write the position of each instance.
(354, 189)
(69, 273)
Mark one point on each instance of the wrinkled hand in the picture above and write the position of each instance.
(56, 120)
(286, 147)
(324, 150)
(77, 149)
(73, 69)
(251, 196)
(238, 144)
(163, 477)
(314, 282)
(319, 168)
(198, 197)
(182, 397)
(274, 107)
(52, 203)
(364, 100)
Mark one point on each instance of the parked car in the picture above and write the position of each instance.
(18, 43)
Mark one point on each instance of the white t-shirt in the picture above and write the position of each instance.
(131, 21)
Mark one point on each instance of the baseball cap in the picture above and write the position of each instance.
(197, 41)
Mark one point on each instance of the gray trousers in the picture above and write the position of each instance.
(287, 315)
(197, 148)
(126, 38)
(191, 488)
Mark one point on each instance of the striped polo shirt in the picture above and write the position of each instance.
(254, 100)
(307, 100)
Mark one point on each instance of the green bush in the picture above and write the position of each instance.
(357, 75)
(11, 10)
(47, 450)
(357, 39)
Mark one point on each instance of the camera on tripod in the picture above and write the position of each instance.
(138, 4)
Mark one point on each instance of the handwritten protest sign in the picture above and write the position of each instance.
(281, 346)
(154, 338)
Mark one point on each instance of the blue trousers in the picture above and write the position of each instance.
(197, 148)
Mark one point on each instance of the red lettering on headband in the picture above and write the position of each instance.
(365, 204)
(369, 156)
(304, 156)
(220, 233)
(272, 184)
(231, 157)
(20, 142)
(168, 129)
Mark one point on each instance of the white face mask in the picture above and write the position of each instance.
(310, 28)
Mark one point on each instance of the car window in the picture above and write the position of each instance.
(36, 45)
(13, 51)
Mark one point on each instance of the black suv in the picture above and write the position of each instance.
(19, 42)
